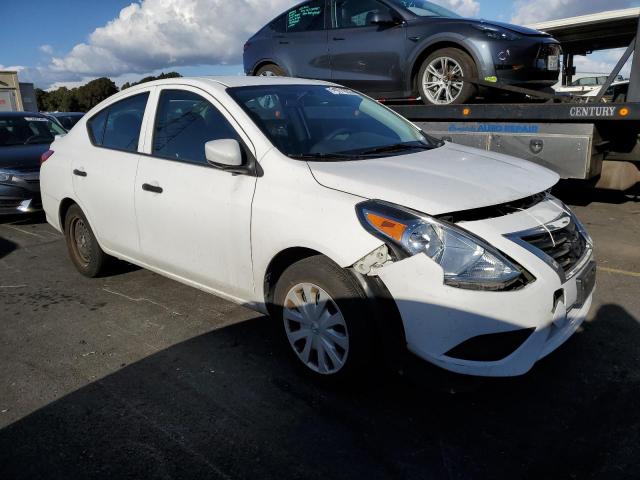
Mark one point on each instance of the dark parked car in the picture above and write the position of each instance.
(66, 119)
(400, 49)
(24, 138)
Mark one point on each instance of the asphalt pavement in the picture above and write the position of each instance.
(132, 375)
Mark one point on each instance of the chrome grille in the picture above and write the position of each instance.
(565, 245)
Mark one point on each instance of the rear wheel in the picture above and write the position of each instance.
(85, 253)
(270, 70)
(323, 311)
(441, 77)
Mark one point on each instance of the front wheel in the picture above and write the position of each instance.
(441, 79)
(323, 311)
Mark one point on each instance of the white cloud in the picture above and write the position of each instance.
(48, 49)
(163, 34)
(532, 11)
(15, 68)
(466, 8)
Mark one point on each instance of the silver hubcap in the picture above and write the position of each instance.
(81, 235)
(315, 328)
(442, 80)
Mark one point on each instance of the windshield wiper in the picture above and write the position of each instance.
(396, 147)
(324, 156)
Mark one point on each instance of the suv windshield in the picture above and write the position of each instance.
(325, 122)
(27, 130)
(422, 8)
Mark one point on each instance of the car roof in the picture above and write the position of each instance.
(22, 114)
(66, 114)
(232, 81)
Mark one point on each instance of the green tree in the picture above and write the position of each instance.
(151, 78)
(91, 94)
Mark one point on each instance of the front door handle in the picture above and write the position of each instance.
(283, 43)
(80, 173)
(338, 38)
(151, 188)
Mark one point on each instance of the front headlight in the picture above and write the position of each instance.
(5, 176)
(467, 261)
(496, 33)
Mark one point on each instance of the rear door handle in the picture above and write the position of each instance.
(80, 173)
(338, 38)
(151, 188)
(283, 43)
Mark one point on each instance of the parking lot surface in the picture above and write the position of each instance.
(135, 376)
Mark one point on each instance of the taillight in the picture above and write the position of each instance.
(45, 156)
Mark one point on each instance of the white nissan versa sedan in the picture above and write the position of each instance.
(358, 232)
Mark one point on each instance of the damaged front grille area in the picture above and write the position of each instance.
(493, 211)
(565, 245)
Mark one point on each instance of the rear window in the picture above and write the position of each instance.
(27, 130)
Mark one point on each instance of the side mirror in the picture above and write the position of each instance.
(381, 18)
(223, 153)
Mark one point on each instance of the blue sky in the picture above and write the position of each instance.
(71, 41)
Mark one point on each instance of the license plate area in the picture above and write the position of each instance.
(585, 283)
(553, 62)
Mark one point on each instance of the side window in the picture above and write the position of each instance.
(96, 126)
(118, 126)
(184, 123)
(279, 24)
(356, 13)
(309, 16)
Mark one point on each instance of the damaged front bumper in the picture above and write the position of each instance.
(487, 333)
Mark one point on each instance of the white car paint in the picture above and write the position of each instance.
(219, 232)
(431, 181)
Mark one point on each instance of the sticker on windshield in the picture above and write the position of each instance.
(340, 91)
(35, 119)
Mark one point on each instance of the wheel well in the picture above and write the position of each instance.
(428, 51)
(64, 208)
(262, 64)
(278, 265)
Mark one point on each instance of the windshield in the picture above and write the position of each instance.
(27, 130)
(324, 121)
(422, 8)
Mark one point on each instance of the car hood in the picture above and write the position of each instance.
(514, 28)
(530, 32)
(22, 157)
(447, 179)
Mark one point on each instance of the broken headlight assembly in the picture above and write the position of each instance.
(467, 261)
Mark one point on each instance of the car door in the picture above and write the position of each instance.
(365, 56)
(104, 174)
(302, 48)
(193, 218)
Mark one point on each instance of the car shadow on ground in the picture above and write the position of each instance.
(6, 247)
(576, 192)
(24, 219)
(230, 404)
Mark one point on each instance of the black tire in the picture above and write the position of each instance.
(83, 247)
(270, 69)
(352, 303)
(469, 70)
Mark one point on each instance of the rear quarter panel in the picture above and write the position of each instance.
(55, 178)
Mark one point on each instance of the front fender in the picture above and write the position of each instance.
(478, 50)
